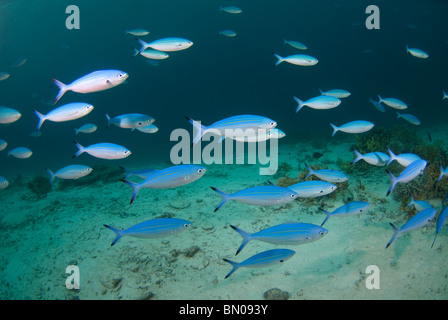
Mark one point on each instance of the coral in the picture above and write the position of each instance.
(286, 181)
(283, 169)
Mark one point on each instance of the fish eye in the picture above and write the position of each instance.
(186, 225)
(201, 170)
(293, 195)
(321, 233)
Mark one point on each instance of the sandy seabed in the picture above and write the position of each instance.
(41, 236)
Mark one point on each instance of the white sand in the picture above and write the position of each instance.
(40, 238)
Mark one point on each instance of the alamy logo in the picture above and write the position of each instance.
(72, 21)
(233, 147)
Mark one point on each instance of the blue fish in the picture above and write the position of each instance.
(151, 229)
(313, 188)
(440, 221)
(420, 205)
(92, 82)
(241, 124)
(170, 177)
(322, 102)
(358, 126)
(262, 195)
(373, 158)
(327, 174)
(109, 151)
(404, 159)
(443, 172)
(4, 183)
(262, 259)
(411, 172)
(349, 209)
(377, 105)
(418, 221)
(289, 233)
(71, 172)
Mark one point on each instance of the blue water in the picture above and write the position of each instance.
(216, 78)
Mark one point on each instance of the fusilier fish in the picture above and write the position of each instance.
(137, 32)
(419, 205)
(445, 96)
(236, 126)
(443, 172)
(297, 59)
(262, 195)
(230, 9)
(109, 151)
(152, 229)
(358, 126)
(415, 169)
(320, 102)
(418, 221)
(377, 105)
(4, 183)
(349, 209)
(328, 175)
(68, 112)
(152, 128)
(313, 188)
(440, 221)
(71, 172)
(404, 159)
(418, 53)
(92, 82)
(152, 54)
(170, 177)
(20, 153)
(9, 115)
(265, 135)
(130, 120)
(227, 33)
(4, 75)
(409, 118)
(337, 93)
(262, 259)
(373, 158)
(295, 44)
(3, 144)
(393, 103)
(86, 128)
(166, 44)
(289, 233)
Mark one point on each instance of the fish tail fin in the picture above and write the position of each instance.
(445, 96)
(41, 118)
(393, 182)
(328, 213)
(136, 52)
(246, 238)
(62, 89)
(411, 202)
(394, 237)
(300, 102)
(380, 99)
(392, 156)
(407, 48)
(143, 44)
(117, 231)
(235, 266)
(310, 171)
(335, 129)
(200, 129)
(280, 59)
(76, 131)
(358, 156)
(51, 173)
(225, 197)
(135, 189)
(441, 174)
(434, 240)
(80, 149)
(321, 92)
(108, 120)
(398, 114)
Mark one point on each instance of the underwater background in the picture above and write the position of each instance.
(43, 229)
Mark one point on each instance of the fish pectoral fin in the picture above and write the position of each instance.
(109, 83)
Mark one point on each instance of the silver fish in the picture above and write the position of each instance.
(9, 115)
